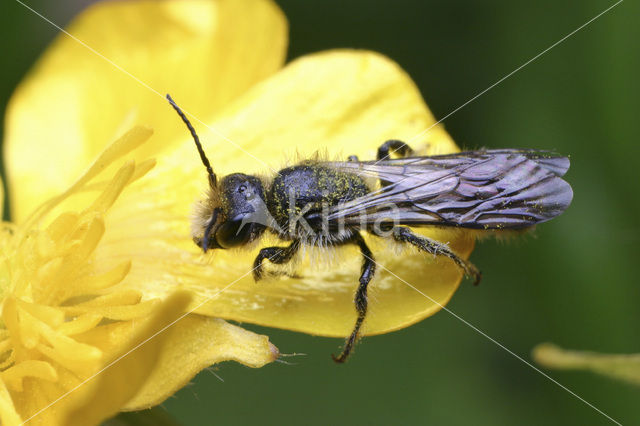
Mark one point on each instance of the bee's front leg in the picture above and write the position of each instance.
(276, 255)
(368, 270)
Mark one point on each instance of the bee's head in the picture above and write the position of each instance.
(233, 215)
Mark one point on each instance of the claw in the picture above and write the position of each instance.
(339, 359)
(472, 272)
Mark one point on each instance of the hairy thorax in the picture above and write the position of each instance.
(302, 193)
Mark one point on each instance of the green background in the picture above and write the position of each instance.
(573, 282)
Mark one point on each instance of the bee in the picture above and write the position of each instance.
(330, 203)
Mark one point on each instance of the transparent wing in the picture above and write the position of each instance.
(494, 189)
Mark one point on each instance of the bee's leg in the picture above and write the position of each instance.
(368, 270)
(277, 255)
(396, 147)
(404, 235)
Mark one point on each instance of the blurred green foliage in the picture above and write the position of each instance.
(573, 282)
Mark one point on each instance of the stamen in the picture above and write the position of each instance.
(93, 283)
(31, 368)
(43, 268)
(113, 189)
(117, 312)
(119, 148)
(80, 324)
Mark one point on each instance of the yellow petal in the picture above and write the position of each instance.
(199, 51)
(625, 367)
(344, 102)
(1, 198)
(194, 343)
(103, 395)
(8, 414)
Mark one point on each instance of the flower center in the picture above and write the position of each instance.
(53, 290)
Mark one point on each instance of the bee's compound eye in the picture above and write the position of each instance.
(233, 233)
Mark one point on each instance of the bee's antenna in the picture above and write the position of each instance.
(203, 156)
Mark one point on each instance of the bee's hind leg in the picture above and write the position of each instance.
(276, 255)
(397, 147)
(368, 270)
(404, 235)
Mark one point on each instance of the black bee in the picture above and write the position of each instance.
(330, 203)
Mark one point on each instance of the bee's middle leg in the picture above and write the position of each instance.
(404, 235)
(367, 273)
(276, 255)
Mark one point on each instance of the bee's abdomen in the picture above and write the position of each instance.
(306, 188)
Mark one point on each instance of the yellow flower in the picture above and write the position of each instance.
(221, 61)
(68, 313)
